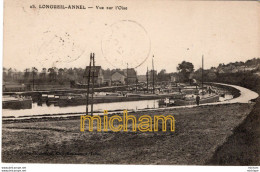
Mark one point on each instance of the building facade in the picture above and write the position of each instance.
(118, 77)
(98, 75)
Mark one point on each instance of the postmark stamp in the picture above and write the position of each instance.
(126, 42)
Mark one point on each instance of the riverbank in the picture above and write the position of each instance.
(241, 148)
(200, 130)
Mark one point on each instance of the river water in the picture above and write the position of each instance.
(115, 106)
(44, 109)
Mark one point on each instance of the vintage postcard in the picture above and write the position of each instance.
(150, 82)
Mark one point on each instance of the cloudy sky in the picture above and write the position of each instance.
(172, 31)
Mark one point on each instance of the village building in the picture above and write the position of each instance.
(118, 77)
(131, 76)
(107, 78)
(98, 75)
(142, 78)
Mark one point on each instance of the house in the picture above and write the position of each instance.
(98, 75)
(118, 77)
(131, 76)
(142, 78)
(107, 77)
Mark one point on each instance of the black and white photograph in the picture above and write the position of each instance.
(126, 82)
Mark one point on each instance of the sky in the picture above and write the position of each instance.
(171, 31)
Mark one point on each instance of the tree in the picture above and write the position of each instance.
(43, 75)
(60, 76)
(26, 74)
(70, 73)
(185, 69)
(34, 70)
(211, 76)
(34, 73)
(52, 74)
(60, 72)
(5, 74)
(163, 76)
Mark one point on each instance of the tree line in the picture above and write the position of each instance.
(185, 72)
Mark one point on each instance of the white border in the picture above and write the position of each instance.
(105, 168)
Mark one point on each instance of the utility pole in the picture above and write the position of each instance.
(178, 77)
(87, 102)
(136, 80)
(202, 72)
(93, 81)
(127, 76)
(153, 75)
(33, 77)
(147, 80)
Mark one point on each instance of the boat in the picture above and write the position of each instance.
(192, 101)
(44, 97)
(74, 100)
(190, 93)
(19, 102)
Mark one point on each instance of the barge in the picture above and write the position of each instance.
(74, 100)
(17, 102)
(192, 101)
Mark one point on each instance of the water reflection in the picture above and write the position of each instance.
(41, 109)
(44, 109)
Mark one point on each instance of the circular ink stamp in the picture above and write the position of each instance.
(126, 43)
(58, 48)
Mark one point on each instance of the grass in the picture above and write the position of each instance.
(241, 148)
(200, 131)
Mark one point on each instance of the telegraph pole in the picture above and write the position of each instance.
(178, 77)
(87, 103)
(136, 80)
(147, 80)
(153, 75)
(202, 72)
(33, 77)
(127, 76)
(93, 81)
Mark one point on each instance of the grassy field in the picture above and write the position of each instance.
(200, 131)
(241, 148)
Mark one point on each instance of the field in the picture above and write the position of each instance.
(241, 148)
(200, 132)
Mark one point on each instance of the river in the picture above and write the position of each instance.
(56, 110)
(44, 109)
